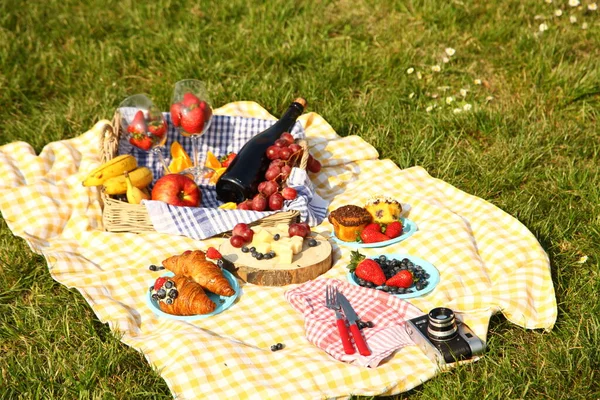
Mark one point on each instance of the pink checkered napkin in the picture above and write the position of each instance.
(388, 314)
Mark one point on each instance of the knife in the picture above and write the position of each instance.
(352, 318)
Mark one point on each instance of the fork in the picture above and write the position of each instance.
(332, 303)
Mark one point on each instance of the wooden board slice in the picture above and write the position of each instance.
(308, 264)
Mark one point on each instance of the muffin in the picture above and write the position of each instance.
(384, 210)
(349, 221)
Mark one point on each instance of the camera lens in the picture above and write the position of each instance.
(442, 324)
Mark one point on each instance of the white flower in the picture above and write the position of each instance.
(573, 19)
(548, 1)
(436, 68)
(467, 107)
(419, 75)
(592, 7)
(410, 70)
(489, 98)
(410, 96)
(449, 99)
(463, 92)
(429, 109)
(574, 3)
(558, 13)
(543, 27)
(477, 81)
(582, 260)
(538, 17)
(584, 25)
(457, 110)
(446, 60)
(450, 51)
(434, 96)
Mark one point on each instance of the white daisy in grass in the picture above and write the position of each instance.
(592, 6)
(446, 60)
(436, 68)
(582, 260)
(574, 3)
(548, 1)
(477, 81)
(558, 13)
(463, 92)
(457, 110)
(410, 96)
(467, 107)
(419, 75)
(429, 109)
(573, 19)
(449, 100)
(584, 26)
(450, 51)
(489, 98)
(410, 71)
(543, 27)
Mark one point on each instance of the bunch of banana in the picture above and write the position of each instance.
(122, 175)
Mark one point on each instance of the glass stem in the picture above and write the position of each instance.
(158, 152)
(197, 168)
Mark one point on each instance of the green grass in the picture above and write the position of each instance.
(529, 145)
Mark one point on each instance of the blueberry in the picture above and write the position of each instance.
(267, 256)
(245, 249)
(276, 237)
(168, 284)
(220, 263)
(254, 253)
(370, 324)
(279, 346)
(382, 258)
(271, 253)
(173, 294)
(155, 296)
(169, 301)
(405, 260)
(385, 288)
(369, 284)
(260, 256)
(152, 288)
(419, 286)
(153, 268)
(162, 293)
(252, 249)
(360, 324)
(401, 290)
(312, 243)
(426, 275)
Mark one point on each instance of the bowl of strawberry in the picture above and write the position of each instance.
(401, 275)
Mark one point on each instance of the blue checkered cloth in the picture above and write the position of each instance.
(226, 134)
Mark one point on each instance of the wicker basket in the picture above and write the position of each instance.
(120, 216)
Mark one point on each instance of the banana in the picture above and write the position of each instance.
(140, 178)
(115, 167)
(135, 195)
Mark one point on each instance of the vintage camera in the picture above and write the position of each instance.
(443, 338)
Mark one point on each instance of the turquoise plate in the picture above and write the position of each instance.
(408, 229)
(434, 275)
(222, 302)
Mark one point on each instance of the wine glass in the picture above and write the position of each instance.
(144, 125)
(191, 113)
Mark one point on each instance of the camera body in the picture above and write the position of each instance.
(442, 338)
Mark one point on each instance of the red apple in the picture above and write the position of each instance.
(177, 190)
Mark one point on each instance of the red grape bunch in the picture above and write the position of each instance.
(284, 154)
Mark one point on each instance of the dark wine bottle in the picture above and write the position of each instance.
(240, 180)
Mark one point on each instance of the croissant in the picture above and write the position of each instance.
(194, 265)
(185, 296)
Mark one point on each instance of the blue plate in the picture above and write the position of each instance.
(408, 229)
(434, 275)
(222, 302)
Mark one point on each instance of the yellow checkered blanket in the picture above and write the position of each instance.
(488, 262)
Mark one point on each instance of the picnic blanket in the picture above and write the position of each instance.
(488, 262)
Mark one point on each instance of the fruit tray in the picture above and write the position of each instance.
(120, 216)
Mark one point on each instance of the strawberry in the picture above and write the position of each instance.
(393, 229)
(366, 269)
(138, 124)
(176, 114)
(226, 160)
(373, 226)
(141, 141)
(159, 282)
(370, 271)
(157, 127)
(372, 236)
(213, 253)
(189, 99)
(403, 279)
(192, 121)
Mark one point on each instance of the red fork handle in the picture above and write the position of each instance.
(359, 340)
(343, 329)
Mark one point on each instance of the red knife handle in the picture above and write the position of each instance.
(343, 329)
(359, 340)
